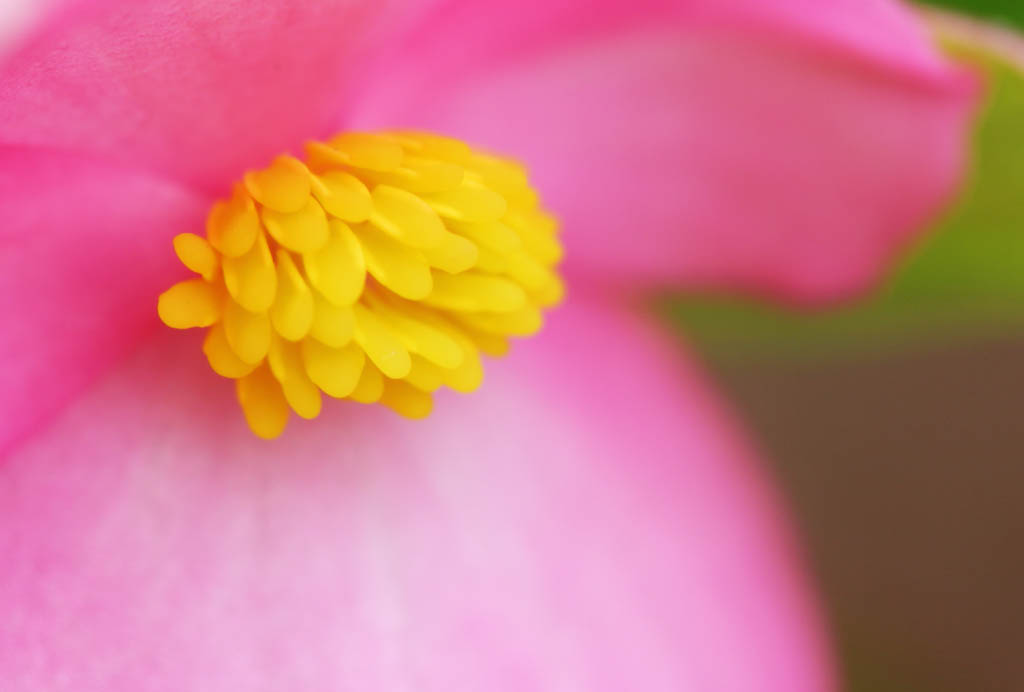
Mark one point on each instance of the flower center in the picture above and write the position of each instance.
(377, 270)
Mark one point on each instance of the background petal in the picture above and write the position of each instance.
(84, 251)
(17, 20)
(197, 89)
(787, 147)
(667, 160)
(587, 521)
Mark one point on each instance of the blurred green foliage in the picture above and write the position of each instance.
(964, 281)
(1009, 11)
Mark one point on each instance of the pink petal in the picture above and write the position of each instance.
(201, 91)
(198, 89)
(787, 147)
(17, 20)
(586, 521)
(84, 250)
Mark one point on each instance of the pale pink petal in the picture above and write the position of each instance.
(586, 521)
(84, 251)
(18, 18)
(787, 147)
(199, 89)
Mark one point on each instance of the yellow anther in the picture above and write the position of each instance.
(381, 345)
(338, 269)
(222, 358)
(251, 279)
(406, 400)
(263, 402)
(419, 337)
(530, 273)
(398, 267)
(505, 177)
(424, 375)
(471, 202)
(550, 295)
(421, 176)
(435, 146)
(283, 186)
(377, 270)
(491, 344)
(370, 386)
(343, 195)
(374, 152)
(332, 324)
(406, 217)
(232, 225)
(475, 292)
(454, 254)
(536, 230)
(334, 370)
(285, 360)
(196, 253)
(248, 333)
(524, 322)
(494, 235)
(192, 303)
(292, 312)
(468, 375)
(490, 261)
(302, 230)
(432, 176)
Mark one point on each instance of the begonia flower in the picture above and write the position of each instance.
(590, 518)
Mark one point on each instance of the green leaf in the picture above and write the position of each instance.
(1008, 11)
(965, 281)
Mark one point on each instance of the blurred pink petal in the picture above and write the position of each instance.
(79, 269)
(585, 522)
(200, 89)
(17, 19)
(787, 147)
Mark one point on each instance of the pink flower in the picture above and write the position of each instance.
(590, 519)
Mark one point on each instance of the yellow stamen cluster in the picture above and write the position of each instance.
(377, 270)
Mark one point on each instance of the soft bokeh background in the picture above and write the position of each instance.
(896, 426)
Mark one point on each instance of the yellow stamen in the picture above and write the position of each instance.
(378, 270)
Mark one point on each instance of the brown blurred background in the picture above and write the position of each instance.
(905, 475)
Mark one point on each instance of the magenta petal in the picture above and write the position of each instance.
(787, 147)
(586, 521)
(84, 251)
(199, 89)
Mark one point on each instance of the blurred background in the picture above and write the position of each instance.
(895, 425)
